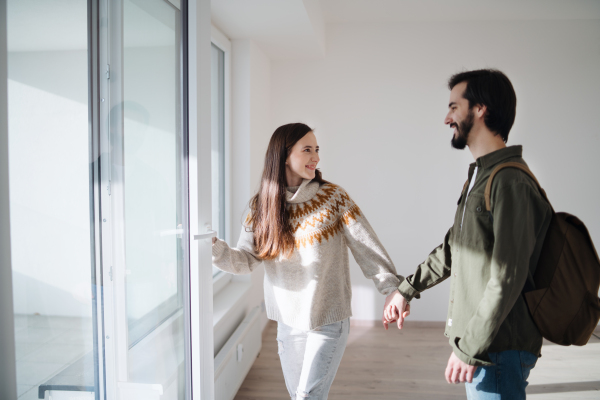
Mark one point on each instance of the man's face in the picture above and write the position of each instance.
(460, 117)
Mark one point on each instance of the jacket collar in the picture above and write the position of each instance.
(498, 156)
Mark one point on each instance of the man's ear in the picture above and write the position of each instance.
(480, 110)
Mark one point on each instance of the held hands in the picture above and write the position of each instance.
(458, 371)
(396, 308)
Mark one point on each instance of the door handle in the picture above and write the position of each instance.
(207, 235)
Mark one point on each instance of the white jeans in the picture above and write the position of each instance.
(310, 359)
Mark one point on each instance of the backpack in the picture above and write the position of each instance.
(564, 303)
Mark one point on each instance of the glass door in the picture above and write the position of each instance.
(145, 201)
(53, 246)
(98, 175)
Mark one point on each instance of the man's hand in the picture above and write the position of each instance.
(396, 308)
(458, 371)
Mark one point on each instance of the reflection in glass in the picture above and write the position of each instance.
(50, 196)
(154, 193)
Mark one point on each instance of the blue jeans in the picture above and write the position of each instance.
(505, 380)
(310, 359)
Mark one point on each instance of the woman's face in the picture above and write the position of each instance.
(302, 161)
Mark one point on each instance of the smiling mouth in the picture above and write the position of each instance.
(311, 167)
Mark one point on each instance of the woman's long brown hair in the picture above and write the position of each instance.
(269, 217)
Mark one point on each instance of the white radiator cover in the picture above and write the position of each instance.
(235, 359)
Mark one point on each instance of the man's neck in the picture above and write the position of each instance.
(484, 142)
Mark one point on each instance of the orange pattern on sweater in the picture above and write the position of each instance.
(322, 216)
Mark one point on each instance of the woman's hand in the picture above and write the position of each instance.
(214, 240)
(396, 308)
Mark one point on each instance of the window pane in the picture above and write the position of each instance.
(218, 142)
(50, 195)
(150, 136)
(154, 190)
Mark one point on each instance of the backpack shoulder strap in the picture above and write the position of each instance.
(465, 186)
(522, 167)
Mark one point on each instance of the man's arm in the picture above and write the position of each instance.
(518, 215)
(435, 269)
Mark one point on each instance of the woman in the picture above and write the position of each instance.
(299, 226)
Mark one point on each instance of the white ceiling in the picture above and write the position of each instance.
(343, 11)
(287, 29)
(282, 28)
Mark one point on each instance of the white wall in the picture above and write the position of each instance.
(251, 124)
(260, 122)
(378, 101)
(251, 74)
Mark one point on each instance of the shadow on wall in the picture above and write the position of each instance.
(36, 297)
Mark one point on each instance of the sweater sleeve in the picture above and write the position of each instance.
(240, 260)
(368, 251)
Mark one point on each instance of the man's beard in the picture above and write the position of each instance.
(462, 131)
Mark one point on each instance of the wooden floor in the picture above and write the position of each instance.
(410, 364)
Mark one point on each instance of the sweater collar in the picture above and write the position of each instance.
(302, 193)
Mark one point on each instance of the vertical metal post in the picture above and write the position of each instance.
(94, 104)
(183, 188)
(8, 375)
(116, 185)
(113, 367)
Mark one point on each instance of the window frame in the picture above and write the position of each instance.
(218, 39)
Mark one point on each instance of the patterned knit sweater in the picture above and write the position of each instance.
(312, 288)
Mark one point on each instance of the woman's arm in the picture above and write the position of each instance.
(239, 260)
(368, 251)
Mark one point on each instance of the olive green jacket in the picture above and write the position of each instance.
(488, 260)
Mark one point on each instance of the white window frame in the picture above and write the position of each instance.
(8, 373)
(224, 44)
(201, 296)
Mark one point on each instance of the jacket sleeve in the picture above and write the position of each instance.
(435, 269)
(518, 216)
(368, 251)
(240, 260)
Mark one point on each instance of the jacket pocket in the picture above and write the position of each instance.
(476, 225)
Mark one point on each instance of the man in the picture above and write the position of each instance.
(488, 256)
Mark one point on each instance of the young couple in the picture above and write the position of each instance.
(299, 226)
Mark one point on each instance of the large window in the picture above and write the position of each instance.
(99, 198)
(51, 224)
